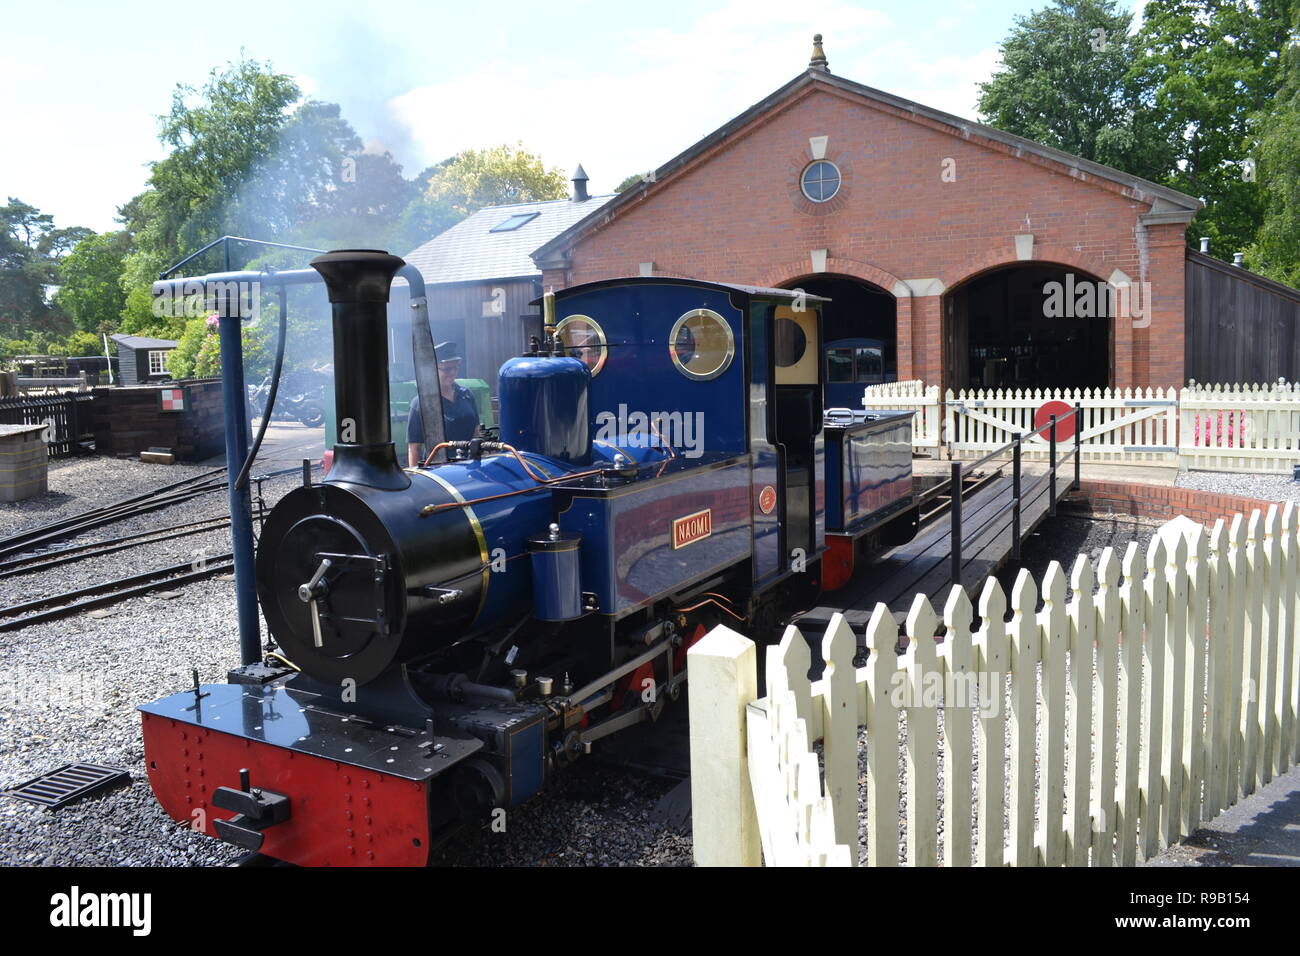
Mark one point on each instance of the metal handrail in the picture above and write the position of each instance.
(1018, 493)
(225, 241)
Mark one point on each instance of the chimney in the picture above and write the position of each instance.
(1238, 259)
(1205, 244)
(818, 61)
(357, 281)
(580, 184)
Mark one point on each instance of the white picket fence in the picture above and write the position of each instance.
(1107, 726)
(1249, 428)
(927, 423)
(1240, 428)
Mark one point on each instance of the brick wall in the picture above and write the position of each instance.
(129, 421)
(735, 214)
(1159, 501)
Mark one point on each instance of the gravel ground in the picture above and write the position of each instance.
(69, 688)
(1265, 487)
(79, 484)
(1065, 537)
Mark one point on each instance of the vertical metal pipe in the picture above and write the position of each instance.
(1051, 473)
(1015, 497)
(1078, 444)
(955, 488)
(241, 521)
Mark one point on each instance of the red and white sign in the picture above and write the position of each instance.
(767, 499)
(1064, 426)
(172, 399)
(692, 527)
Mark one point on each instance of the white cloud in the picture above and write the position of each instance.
(667, 88)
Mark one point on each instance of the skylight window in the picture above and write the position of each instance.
(514, 222)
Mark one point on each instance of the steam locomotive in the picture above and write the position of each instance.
(451, 635)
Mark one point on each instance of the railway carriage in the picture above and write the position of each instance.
(450, 636)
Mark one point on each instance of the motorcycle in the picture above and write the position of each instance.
(301, 398)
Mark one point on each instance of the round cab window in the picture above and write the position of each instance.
(701, 344)
(791, 343)
(584, 339)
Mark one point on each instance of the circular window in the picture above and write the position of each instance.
(820, 180)
(584, 339)
(701, 344)
(791, 342)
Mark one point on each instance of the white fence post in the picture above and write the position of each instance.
(961, 682)
(1053, 625)
(723, 680)
(882, 749)
(920, 662)
(993, 645)
(1081, 619)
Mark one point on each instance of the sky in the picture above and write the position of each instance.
(619, 87)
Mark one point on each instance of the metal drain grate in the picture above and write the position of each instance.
(71, 782)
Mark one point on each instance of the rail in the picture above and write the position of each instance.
(1018, 493)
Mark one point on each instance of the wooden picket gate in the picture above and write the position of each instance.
(1198, 709)
(1132, 425)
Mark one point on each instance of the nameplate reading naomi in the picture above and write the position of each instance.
(692, 527)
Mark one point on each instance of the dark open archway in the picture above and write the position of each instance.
(1032, 325)
(857, 310)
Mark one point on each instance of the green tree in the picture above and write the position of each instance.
(90, 289)
(493, 177)
(30, 247)
(1276, 250)
(216, 136)
(1213, 65)
(1064, 82)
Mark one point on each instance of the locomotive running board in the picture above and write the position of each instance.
(360, 791)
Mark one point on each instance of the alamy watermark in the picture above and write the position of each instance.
(1078, 298)
(683, 431)
(192, 298)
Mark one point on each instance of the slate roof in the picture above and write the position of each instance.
(142, 342)
(470, 252)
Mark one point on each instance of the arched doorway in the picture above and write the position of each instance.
(859, 334)
(1030, 325)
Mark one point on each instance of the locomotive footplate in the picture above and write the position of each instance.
(356, 791)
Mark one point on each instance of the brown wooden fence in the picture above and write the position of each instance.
(68, 416)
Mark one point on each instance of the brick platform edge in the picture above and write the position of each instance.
(1158, 501)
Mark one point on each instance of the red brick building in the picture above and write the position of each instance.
(953, 243)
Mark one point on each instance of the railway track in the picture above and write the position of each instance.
(18, 616)
(36, 550)
(970, 484)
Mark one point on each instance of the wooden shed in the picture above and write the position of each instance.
(142, 360)
(1241, 327)
(480, 279)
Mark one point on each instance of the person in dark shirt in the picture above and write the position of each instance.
(459, 410)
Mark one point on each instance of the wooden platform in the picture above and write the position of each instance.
(924, 564)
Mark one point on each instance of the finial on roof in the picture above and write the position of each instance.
(818, 61)
(579, 179)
